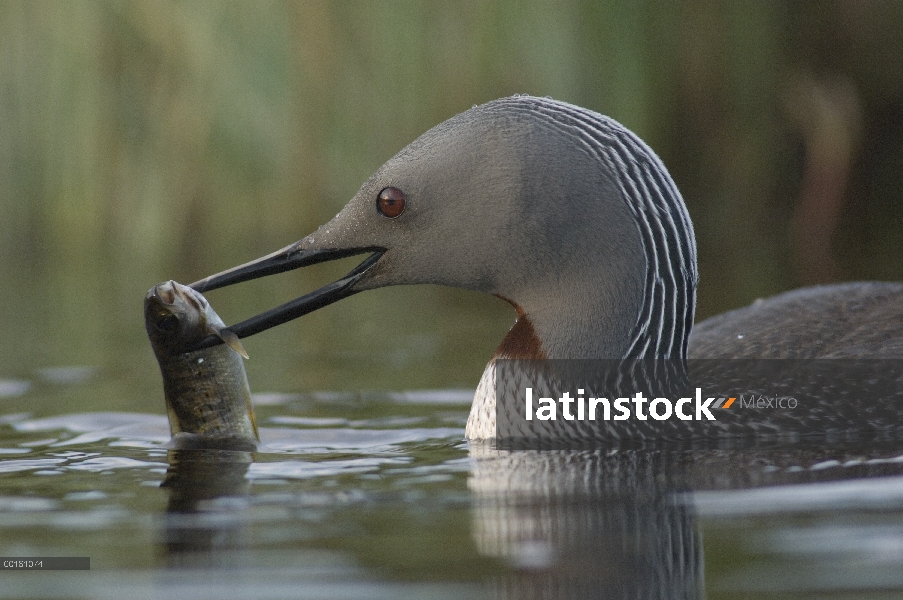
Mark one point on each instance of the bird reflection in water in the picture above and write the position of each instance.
(621, 523)
(584, 524)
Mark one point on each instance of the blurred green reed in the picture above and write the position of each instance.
(141, 141)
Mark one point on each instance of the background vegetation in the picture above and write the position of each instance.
(141, 141)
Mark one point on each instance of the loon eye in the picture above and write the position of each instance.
(167, 323)
(390, 202)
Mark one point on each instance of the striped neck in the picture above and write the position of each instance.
(667, 303)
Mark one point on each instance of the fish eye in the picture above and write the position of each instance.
(390, 202)
(167, 323)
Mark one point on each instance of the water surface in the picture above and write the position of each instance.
(376, 494)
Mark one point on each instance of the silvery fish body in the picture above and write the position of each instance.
(207, 393)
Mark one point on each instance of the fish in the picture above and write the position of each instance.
(208, 398)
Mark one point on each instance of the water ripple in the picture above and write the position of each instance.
(882, 493)
(297, 469)
(106, 463)
(149, 431)
(13, 466)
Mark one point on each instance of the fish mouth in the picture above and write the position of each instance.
(170, 293)
(289, 258)
(165, 294)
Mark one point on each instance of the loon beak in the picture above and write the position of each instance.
(290, 257)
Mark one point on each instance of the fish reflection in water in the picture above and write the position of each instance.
(622, 523)
(204, 525)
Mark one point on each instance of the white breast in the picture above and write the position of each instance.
(481, 422)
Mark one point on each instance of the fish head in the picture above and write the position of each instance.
(174, 316)
(177, 317)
